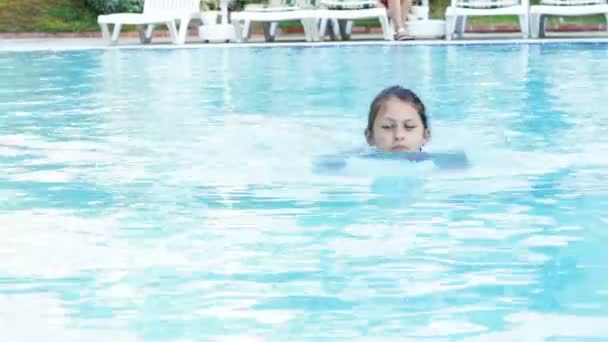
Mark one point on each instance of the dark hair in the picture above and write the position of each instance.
(400, 93)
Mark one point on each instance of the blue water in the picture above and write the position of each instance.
(169, 195)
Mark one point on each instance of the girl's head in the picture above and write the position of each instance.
(397, 121)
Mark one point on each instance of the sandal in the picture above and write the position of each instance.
(402, 35)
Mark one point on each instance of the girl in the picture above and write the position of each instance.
(397, 121)
(397, 128)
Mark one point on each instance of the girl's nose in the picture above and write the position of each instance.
(399, 134)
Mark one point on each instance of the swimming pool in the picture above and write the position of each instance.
(168, 194)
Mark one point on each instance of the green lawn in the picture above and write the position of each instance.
(597, 19)
(75, 16)
(46, 16)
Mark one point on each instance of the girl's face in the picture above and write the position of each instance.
(398, 127)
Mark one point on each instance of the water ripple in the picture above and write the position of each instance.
(170, 195)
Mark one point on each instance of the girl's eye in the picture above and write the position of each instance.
(409, 128)
(387, 127)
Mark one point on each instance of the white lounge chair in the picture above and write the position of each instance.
(270, 16)
(539, 13)
(456, 14)
(156, 12)
(341, 14)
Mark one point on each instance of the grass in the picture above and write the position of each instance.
(46, 16)
(76, 16)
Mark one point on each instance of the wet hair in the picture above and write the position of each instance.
(399, 93)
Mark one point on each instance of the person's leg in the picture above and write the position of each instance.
(396, 14)
(406, 5)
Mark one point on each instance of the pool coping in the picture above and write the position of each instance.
(76, 44)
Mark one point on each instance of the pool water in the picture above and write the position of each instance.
(170, 195)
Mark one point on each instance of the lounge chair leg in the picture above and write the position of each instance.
(329, 24)
(306, 28)
(524, 25)
(238, 32)
(386, 28)
(314, 28)
(247, 29)
(310, 29)
(150, 32)
(450, 27)
(143, 37)
(184, 24)
(542, 22)
(349, 27)
(323, 28)
(105, 32)
(534, 23)
(335, 29)
(267, 34)
(172, 31)
(116, 33)
(315, 24)
(273, 29)
(343, 24)
(461, 23)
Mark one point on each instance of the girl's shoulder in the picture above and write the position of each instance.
(443, 160)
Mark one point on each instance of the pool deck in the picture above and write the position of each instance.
(87, 43)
